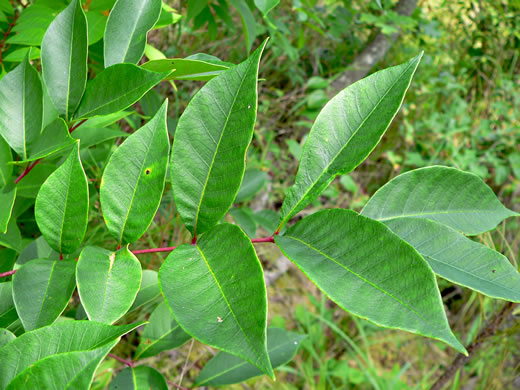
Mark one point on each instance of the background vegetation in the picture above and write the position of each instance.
(461, 111)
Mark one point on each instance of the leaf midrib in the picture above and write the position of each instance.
(259, 356)
(361, 277)
(129, 92)
(345, 146)
(148, 144)
(453, 211)
(45, 293)
(217, 148)
(143, 3)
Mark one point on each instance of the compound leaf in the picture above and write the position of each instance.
(42, 289)
(460, 200)
(108, 282)
(211, 139)
(116, 88)
(133, 181)
(127, 26)
(61, 208)
(459, 259)
(64, 58)
(347, 129)
(21, 107)
(217, 299)
(368, 271)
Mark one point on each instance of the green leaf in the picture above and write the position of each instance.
(12, 237)
(62, 346)
(96, 22)
(6, 169)
(265, 6)
(108, 282)
(54, 138)
(42, 289)
(347, 129)
(127, 26)
(459, 259)
(139, 378)
(254, 181)
(149, 289)
(117, 88)
(218, 300)
(226, 369)
(61, 208)
(162, 333)
(36, 249)
(18, 55)
(91, 136)
(7, 198)
(210, 144)
(167, 17)
(382, 278)
(64, 58)
(195, 7)
(8, 313)
(460, 200)
(244, 218)
(248, 21)
(6, 337)
(133, 181)
(186, 69)
(21, 107)
(34, 21)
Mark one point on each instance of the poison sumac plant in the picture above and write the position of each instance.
(379, 264)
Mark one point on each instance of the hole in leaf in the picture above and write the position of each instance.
(147, 171)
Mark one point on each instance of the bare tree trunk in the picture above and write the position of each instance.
(371, 54)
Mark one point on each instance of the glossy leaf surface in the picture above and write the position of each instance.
(42, 289)
(345, 132)
(254, 181)
(21, 107)
(6, 169)
(12, 238)
(64, 58)
(139, 378)
(186, 69)
(459, 259)
(133, 181)
(162, 333)
(127, 26)
(61, 208)
(382, 279)
(108, 282)
(116, 88)
(62, 345)
(226, 369)
(211, 139)
(91, 136)
(460, 200)
(217, 299)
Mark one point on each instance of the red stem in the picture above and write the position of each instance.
(6, 34)
(31, 166)
(129, 363)
(77, 125)
(267, 239)
(26, 171)
(154, 250)
(8, 273)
